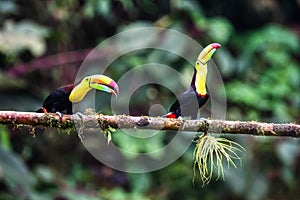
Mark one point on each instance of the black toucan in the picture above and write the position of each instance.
(188, 104)
(61, 99)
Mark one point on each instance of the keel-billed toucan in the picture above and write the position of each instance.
(188, 104)
(61, 99)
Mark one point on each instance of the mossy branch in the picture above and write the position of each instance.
(153, 123)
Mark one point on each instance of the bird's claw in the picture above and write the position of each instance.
(181, 122)
(60, 115)
(203, 119)
(80, 115)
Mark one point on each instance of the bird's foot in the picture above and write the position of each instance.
(203, 119)
(181, 119)
(60, 115)
(80, 115)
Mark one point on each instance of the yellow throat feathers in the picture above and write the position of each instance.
(79, 92)
(200, 81)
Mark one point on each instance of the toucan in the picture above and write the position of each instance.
(61, 99)
(189, 102)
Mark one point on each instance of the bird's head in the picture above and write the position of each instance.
(98, 82)
(201, 67)
(206, 54)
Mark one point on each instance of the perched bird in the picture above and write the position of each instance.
(188, 103)
(61, 99)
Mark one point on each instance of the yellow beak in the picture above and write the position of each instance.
(207, 52)
(98, 82)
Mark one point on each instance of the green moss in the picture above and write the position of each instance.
(32, 130)
(107, 130)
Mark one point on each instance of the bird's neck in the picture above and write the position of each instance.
(199, 81)
(79, 92)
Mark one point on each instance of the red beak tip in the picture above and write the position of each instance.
(216, 45)
(115, 86)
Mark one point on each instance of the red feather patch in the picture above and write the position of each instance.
(171, 115)
(202, 95)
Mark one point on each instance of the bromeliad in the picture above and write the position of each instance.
(188, 103)
(61, 99)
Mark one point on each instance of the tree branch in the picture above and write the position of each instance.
(152, 123)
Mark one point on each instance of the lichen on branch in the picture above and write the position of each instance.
(150, 123)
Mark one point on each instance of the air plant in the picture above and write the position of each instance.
(209, 154)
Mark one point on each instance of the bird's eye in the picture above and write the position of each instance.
(198, 62)
(86, 79)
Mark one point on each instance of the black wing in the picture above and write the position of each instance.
(58, 100)
(188, 104)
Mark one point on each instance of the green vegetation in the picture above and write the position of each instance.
(258, 61)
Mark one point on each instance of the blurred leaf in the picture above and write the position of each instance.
(288, 177)
(128, 144)
(236, 179)
(227, 62)
(293, 72)
(258, 187)
(7, 6)
(248, 97)
(281, 112)
(219, 29)
(4, 138)
(193, 9)
(270, 37)
(191, 6)
(93, 7)
(288, 151)
(141, 141)
(278, 58)
(15, 37)
(283, 38)
(73, 195)
(120, 194)
(15, 174)
(140, 183)
(44, 174)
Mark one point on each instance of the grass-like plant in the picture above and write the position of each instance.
(209, 155)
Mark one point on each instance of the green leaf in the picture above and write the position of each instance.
(258, 187)
(282, 37)
(15, 174)
(140, 183)
(219, 29)
(4, 138)
(7, 7)
(249, 94)
(228, 63)
(287, 152)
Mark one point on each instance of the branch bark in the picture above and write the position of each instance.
(152, 123)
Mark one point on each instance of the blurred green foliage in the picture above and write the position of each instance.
(259, 63)
(269, 75)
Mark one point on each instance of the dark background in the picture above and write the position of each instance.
(42, 44)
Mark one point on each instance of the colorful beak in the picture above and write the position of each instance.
(103, 88)
(207, 52)
(104, 83)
